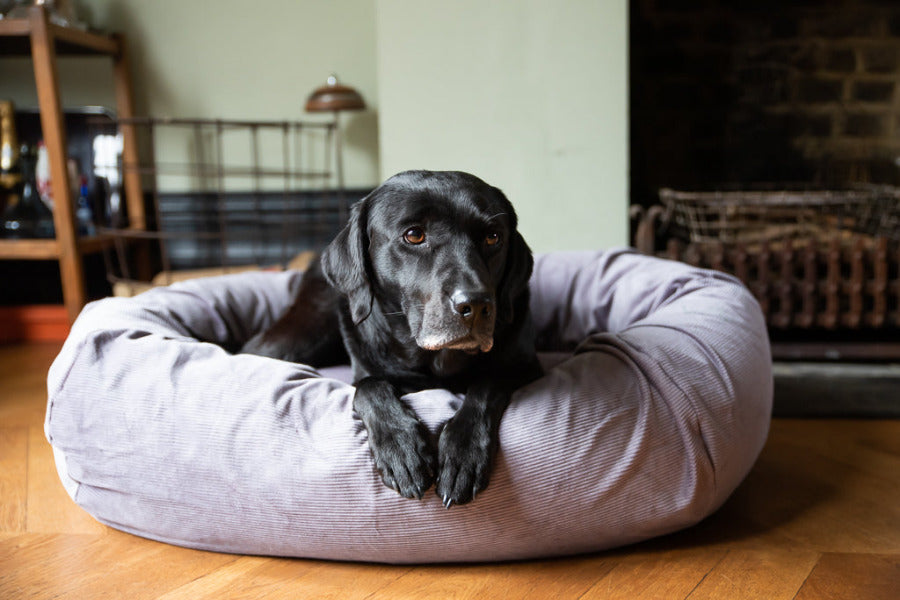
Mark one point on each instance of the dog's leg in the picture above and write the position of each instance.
(397, 439)
(469, 442)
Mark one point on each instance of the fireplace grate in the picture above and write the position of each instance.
(756, 216)
(824, 266)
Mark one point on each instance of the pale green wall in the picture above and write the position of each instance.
(229, 59)
(531, 95)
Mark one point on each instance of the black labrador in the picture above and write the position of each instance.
(426, 286)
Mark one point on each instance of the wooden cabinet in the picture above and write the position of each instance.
(44, 41)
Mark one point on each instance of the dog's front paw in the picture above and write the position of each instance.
(465, 452)
(403, 457)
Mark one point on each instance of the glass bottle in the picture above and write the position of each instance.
(26, 215)
(83, 212)
(10, 173)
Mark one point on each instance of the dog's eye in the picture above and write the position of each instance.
(492, 238)
(414, 235)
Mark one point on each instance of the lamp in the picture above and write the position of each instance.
(334, 97)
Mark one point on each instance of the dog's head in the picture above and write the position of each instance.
(439, 249)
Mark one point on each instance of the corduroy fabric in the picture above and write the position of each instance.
(654, 406)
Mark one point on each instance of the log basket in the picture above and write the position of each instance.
(823, 264)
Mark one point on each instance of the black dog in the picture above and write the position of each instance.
(428, 287)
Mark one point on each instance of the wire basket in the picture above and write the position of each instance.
(757, 216)
(220, 194)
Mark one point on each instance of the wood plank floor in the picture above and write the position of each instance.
(819, 517)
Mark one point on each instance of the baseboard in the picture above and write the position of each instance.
(34, 323)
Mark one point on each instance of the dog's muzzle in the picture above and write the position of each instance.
(464, 323)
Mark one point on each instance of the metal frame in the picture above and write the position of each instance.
(272, 192)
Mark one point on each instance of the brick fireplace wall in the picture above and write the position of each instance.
(750, 92)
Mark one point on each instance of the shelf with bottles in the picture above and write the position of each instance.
(35, 33)
(86, 129)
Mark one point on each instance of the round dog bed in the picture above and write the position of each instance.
(654, 406)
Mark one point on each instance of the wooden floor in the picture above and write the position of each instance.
(819, 517)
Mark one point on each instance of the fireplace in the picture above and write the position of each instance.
(765, 141)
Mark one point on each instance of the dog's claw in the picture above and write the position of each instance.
(448, 501)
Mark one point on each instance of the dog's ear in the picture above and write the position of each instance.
(345, 263)
(517, 273)
(519, 264)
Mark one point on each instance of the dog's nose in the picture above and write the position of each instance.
(472, 305)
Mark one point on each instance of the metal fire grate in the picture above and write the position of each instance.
(221, 193)
(824, 266)
(754, 216)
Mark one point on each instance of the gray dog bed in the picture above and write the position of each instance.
(654, 406)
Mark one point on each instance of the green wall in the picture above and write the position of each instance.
(529, 94)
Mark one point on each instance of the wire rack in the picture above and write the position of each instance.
(823, 265)
(225, 194)
(757, 216)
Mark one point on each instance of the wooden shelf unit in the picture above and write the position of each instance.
(39, 38)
